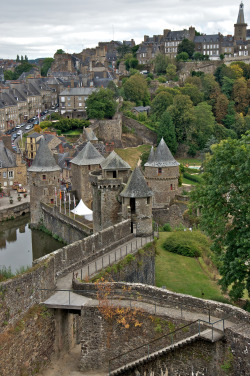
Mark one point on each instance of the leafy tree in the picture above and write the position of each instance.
(161, 62)
(183, 116)
(112, 86)
(17, 58)
(101, 104)
(8, 75)
(237, 70)
(26, 58)
(136, 90)
(230, 117)
(193, 92)
(182, 56)
(223, 200)
(24, 67)
(21, 58)
(131, 62)
(171, 71)
(47, 62)
(135, 49)
(60, 52)
(221, 107)
(227, 86)
(204, 124)
(122, 50)
(198, 56)
(167, 131)
(240, 94)
(160, 103)
(240, 126)
(186, 46)
(37, 128)
(194, 80)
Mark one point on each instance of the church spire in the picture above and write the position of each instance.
(241, 19)
(240, 28)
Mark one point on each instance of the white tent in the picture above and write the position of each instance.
(83, 210)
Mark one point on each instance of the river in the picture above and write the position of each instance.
(19, 245)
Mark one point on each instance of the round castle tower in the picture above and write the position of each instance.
(87, 160)
(137, 204)
(162, 174)
(107, 185)
(44, 178)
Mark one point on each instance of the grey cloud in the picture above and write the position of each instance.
(38, 28)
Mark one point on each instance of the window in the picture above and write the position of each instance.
(4, 174)
(44, 177)
(171, 187)
(148, 200)
(79, 98)
(62, 99)
(68, 98)
(52, 201)
(159, 171)
(80, 104)
(11, 174)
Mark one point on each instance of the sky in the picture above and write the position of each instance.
(38, 28)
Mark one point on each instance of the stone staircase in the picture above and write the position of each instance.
(208, 334)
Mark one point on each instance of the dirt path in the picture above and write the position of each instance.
(67, 365)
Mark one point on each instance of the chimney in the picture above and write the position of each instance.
(72, 83)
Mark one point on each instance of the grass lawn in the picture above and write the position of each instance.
(75, 132)
(190, 161)
(187, 181)
(132, 155)
(184, 274)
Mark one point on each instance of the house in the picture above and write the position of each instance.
(72, 101)
(12, 167)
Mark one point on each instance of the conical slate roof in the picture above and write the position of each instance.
(89, 155)
(114, 162)
(151, 157)
(162, 157)
(44, 160)
(241, 19)
(136, 186)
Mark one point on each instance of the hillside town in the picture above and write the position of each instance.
(135, 159)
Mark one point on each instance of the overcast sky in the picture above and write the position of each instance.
(38, 28)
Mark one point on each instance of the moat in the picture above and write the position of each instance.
(20, 245)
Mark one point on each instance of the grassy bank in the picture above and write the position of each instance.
(185, 275)
(132, 155)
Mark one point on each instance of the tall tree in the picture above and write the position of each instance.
(182, 113)
(221, 107)
(223, 200)
(204, 124)
(167, 131)
(171, 71)
(193, 92)
(136, 90)
(101, 104)
(186, 46)
(161, 62)
(240, 94)
(17, 58)
(160, 103)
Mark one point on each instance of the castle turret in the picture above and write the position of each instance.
(44, 178)
(162, 174)
(137, 203)
(87, 160)
(107, 185)
(240, 28)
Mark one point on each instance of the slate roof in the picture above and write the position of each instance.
(44, 160)
(7, 158)
(88, 156)
(114, 162)
(207, 38)
(78, 91)
(136, 186)
(90, 135)
(241, 19)
(162, 157)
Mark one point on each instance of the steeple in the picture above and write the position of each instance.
(44, 160)
(240, 28)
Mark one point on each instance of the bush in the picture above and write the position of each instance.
(162, 79)
(187, 243)
(194, 178)
(166, 227)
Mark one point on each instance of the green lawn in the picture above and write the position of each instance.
(132, 155)
(190, 161)
(184, 274)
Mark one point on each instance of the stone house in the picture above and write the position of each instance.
(72, 101)
(12, 167)
(8, 110)
(210, 45)
(173, 38)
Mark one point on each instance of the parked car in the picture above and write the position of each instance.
(14, 136)
(19, 133)
(18, 126)
(29, 126)
(30, 121)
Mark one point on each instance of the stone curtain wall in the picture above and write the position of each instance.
(62, 225)
(29, 344)
(145, 135)
(16, 211)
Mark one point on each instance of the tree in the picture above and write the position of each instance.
(171, 72)
(47, 62)
(8, 75)
(186, 46)
(183, 56)
(60, 52)
(227, 86)
(221, 107)
(160, 63)
(240, 94)
(230, 117)
(26, 58)
(204, 124)
(193, 92)
(198, 56)
(17, 58)
(136, 90)
(122, 50)
(182, 113)
(223, 200)
(160, 103)
(167, 131)
(101, 104)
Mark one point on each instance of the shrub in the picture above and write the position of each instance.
(166, 227)
(186, 243)
(195, 178)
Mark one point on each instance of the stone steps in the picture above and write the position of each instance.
(206, 334)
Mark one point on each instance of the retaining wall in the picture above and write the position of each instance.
(144, 134)
(14, 211)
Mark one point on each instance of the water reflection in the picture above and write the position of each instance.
(19, 245)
